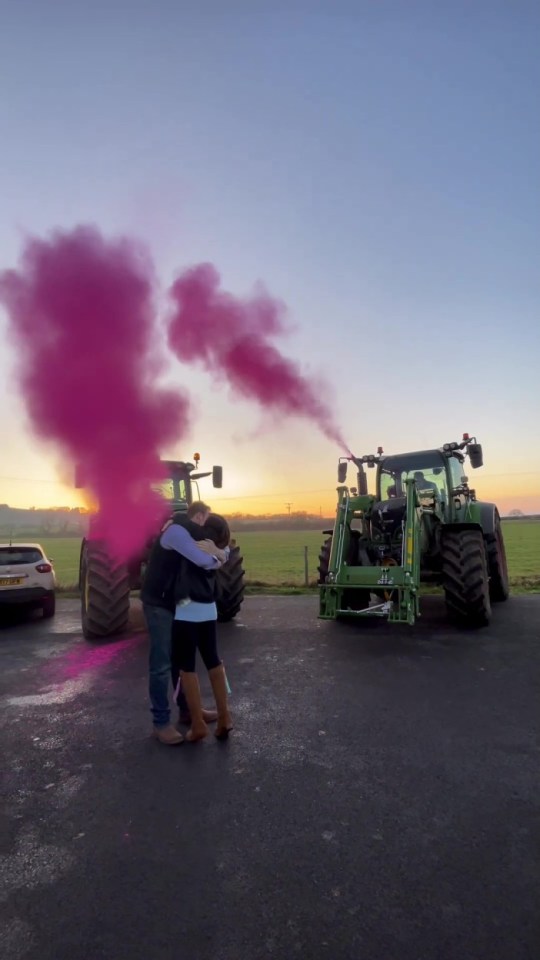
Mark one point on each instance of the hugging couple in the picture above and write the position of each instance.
(179, 603)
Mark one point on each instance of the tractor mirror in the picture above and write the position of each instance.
(342, 471)
(217, 477)
(475, 455)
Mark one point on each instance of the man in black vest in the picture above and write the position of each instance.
(158, 599)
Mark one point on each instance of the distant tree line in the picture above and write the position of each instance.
(73, 521)
(300, 520)
(35, 521)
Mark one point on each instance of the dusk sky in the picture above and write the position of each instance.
(374, 165)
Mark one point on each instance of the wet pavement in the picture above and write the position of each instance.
(378, 799)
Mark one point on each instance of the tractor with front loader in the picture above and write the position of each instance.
(423, 524)
(106, 584)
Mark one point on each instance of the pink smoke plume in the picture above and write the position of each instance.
(231, 338)
(82, 320)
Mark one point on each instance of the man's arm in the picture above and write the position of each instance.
(177, 538)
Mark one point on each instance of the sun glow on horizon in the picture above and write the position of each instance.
(513, 491)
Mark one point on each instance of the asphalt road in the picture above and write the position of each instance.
(378, 799)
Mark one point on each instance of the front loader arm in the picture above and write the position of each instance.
(398, 584)
(341, 535)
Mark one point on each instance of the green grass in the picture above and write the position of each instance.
(277, 558)
(522, 542)
(65, 554)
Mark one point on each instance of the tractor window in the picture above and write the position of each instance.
(172, 490)
(389, 486)
(457, 470)
(426, 469)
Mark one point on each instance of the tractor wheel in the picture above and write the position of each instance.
(231, 586)
(104, 592)
(351, 599)
(465, 577)
(499, 588)
(324, 560)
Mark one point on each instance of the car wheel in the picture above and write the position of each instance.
(49, 607)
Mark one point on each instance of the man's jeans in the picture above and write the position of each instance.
(159, 622)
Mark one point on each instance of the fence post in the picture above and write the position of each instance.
(306, 568)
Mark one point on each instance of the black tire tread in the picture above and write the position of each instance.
(231, 580)
(353, 599)
(324, 560)
(49, 608)
(499, 587)
(465, 577)
(108, 581)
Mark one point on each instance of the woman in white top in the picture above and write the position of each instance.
(194, 629)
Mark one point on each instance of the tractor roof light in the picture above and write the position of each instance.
(196, 457)
(380, 450)
(446, 446)
(466, 437)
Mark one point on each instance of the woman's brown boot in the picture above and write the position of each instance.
(219, 686)
(192, 691)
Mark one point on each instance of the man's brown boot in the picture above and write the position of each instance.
(168, 735)
(219, 686)
(192, 692)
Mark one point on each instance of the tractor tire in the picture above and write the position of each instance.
(499, 587)
(231, 586)
(104, 593)
(465, 577)
(324, 560)
(352, 599)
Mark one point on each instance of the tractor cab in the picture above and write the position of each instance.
(179, 481)
(427, 468)
(176, 488)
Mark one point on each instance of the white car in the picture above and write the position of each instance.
(27, 577)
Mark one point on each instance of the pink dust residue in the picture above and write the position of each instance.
(231, 338)
(81, 660)
(81, 319)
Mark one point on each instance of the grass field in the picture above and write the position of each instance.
(278, 557)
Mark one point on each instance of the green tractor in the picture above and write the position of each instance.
(105, 584)
(422, 525)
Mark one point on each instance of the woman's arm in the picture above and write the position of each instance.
(209, 547)
(177, 538)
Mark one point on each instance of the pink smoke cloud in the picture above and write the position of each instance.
(231, 337)
(81, 318)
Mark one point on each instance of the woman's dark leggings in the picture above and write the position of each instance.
(187, 638)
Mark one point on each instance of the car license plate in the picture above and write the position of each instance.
(11, 583)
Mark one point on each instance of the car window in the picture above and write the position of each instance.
(11, 556)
